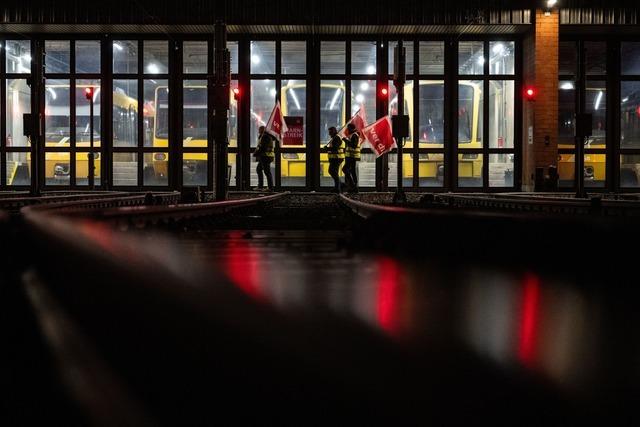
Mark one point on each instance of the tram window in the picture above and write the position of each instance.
(294, 57)
(595, 58)
(194, 113)
(408, 47)
(332, 107)
(566, 113)
(431, 112)
(363, 57)
(156, 57)
(18, 102)
(630, 54)
(567, 58)
(57, 56)
(125, 56)
(83, 112)
(501, 114)
(471, 58)
(57, 112)
(596, 104)
(501, 57)
(155, 113)
(332, 57)
(194, 57)
(470, 113)
(263, 57)
(431, 56)
(125, 113)
(263, 97)
(630, 115)
(18, 56)
(87, 56)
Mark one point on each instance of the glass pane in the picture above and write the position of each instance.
(233, 51)
(57, 170)
(630, 170)
(293, 100)
(155, 169)
(431, 57)
(18, 103)
(231, 170)
(332, 57)
(363, 93)
(83, 110)
(502, 57)
(595, 58)
(630, 115)
(408, 107)
(501, 170)
(566, 170)
(409, 52)
(18, 168)
(501, 114)
(18, 58)
(125, 169)
(332, 107)
(596, 104)
(253, 180)
(431, 170)
(407, 170)
(232, 124)
(57, 56)
(194, 169)
(125, 113)
(566, 114)
(194, 57)
(156, 57)
(263, 98)
(363, 57)
(293, 169)
(595, 170)
(470, 170)
(263, 57)
(194, 113)
(630, 53)
(125, 56)
(156, 113)
(365, 170)
(567, 58)
(87, 56)
(470, 113)
(431, 113)
(294, 57)
(82, 168)
(471, 58)
(57, 113)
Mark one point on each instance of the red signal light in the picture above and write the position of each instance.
(88, 93)
(384, 91)
(236, 93)
(530, 93)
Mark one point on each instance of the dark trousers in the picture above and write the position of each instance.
(349, 170)
(264, 166)
(334, 171)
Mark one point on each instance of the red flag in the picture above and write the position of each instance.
(379, 136)
(359, 119)
(276, 125)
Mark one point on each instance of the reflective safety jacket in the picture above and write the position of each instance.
(265, 146)
(353, 146)
(335, 148)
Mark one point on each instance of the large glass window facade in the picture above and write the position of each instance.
(629, 108)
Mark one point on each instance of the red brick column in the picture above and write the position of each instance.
(540, 118)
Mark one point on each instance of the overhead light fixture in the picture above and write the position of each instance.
(598, 100)
(364, 86)
(360, 98)
(117, 46)
(255, 59)
(550, 5)
(567, 86)
(152, 68)
(371, 69)
(498, 48)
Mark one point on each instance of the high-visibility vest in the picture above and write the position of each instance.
(265, 146)
(333, 152)
(350, 150)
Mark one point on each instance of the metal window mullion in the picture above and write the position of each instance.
(278, 84)
(416, 114)
(140, 82)
(485, 115)
(452, 89)
(3, 116)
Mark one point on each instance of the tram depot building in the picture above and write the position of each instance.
(492, 92)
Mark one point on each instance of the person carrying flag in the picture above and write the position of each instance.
(335, 153)
(264, 155)
(351, 156)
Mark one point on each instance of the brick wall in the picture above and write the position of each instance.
(540, 69)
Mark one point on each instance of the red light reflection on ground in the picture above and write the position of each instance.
(529, 323)
(388, 295)
(243, 264)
